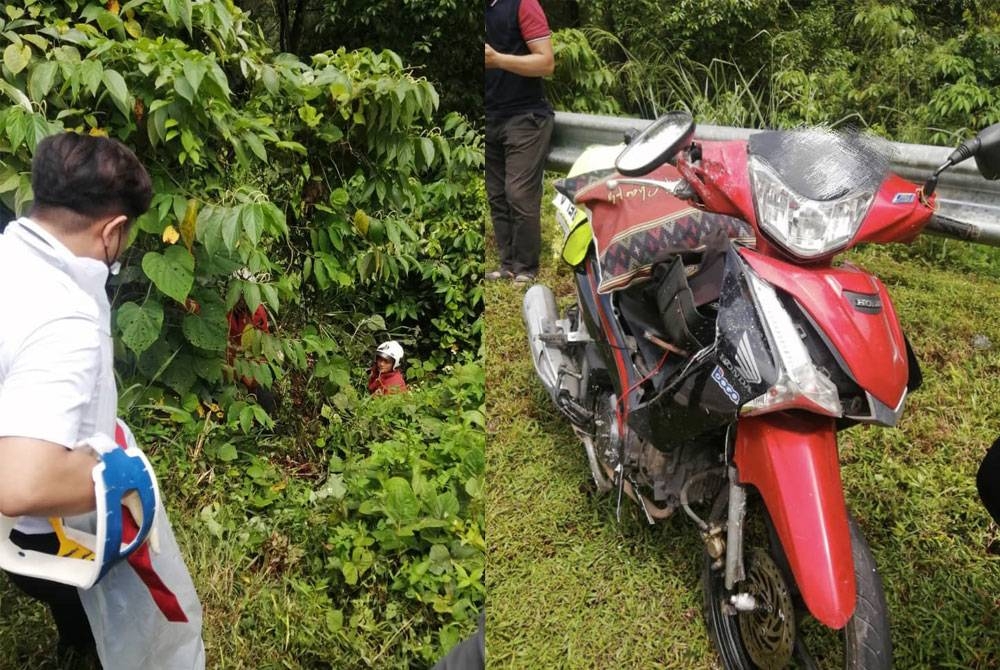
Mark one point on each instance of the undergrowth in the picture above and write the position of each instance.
(364, 548)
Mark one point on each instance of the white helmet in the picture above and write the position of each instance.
(391, 350)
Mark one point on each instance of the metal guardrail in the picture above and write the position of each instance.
(968, 205)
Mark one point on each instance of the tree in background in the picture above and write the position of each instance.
(435, 37)
(917, 71)
(334, 179)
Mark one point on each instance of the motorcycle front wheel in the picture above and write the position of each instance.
(779, 632)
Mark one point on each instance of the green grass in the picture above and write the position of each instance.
(571, 587)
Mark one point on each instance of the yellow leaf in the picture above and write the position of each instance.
(133, 28)
(98, 132)
(113, 6)
(170, 235)
(361, 222)
(189, 224)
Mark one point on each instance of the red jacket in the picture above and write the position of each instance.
(387, 382)
(239, 319)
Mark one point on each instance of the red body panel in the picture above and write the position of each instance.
(721, 179)
(900, 222)
(792, 460)
(871, 345)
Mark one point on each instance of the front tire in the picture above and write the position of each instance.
(769, 639)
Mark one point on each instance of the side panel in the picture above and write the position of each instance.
(792, 460)
(897, 215)
(855, 313)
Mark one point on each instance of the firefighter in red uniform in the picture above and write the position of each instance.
(385, 376)
(240, 318)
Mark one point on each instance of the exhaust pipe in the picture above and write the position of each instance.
(545, 336)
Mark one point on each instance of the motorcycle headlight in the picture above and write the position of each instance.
(804, 227)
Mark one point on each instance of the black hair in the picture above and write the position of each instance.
(91, 176)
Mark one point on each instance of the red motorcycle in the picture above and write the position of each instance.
(715, 349)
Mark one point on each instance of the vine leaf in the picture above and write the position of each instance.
(140, 324)
(172, 271)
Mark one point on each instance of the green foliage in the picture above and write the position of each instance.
(441, 37)
(261, 162)
(582, 82)
(914, 71)
(377, 526)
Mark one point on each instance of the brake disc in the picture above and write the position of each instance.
(768, 631)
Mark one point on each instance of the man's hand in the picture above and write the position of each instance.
(492, 58)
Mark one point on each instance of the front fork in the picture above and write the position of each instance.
(734, 530)
(728, 551)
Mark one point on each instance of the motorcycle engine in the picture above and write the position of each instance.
(660, 475)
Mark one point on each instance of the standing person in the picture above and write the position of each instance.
(519, 123)
(385, 375)
(57, 385)
(988, 481)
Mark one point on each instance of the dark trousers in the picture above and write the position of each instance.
(515, 164)
(988, 481)
(469, 654)
(63, 601)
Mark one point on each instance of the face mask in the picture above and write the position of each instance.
(114, 267)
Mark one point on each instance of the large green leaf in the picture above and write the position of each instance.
(180, 375)
(118, 89)
(400, 503)
(208, 229)
(427, 151)
(172, 271)
(140, 324)
(16, 57)
(91, 75)
(42, 77)
(230, 227)
(16, 95)
(208, 329)
(252, 221)
(194, 72)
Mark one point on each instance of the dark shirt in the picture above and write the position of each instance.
(510, 25)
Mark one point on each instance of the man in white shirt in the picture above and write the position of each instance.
(57, 382)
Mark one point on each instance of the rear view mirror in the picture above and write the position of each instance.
(985, 147)
(656, 145)
(988, 154)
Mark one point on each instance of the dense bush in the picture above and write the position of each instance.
(325, 179)
(377, 527)
(436, 37)
(919, 72)
(335, 191)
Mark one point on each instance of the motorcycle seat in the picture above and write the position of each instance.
(570, 186)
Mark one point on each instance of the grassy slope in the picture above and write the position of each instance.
(570, 587)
